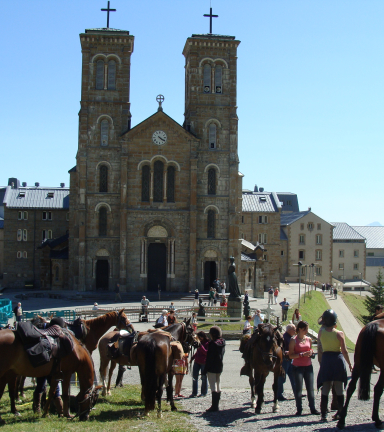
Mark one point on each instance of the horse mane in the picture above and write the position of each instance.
(101, 318)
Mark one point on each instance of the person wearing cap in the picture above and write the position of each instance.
(95, 306)
(334, 354)
(214, 365)
(162, 321)
(196, 298)
(144, 305)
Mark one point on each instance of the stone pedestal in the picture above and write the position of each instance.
(234, 308)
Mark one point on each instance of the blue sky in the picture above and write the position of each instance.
(310, 90)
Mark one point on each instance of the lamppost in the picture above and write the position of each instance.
(312, 273)
(299, 264)
(361, 280)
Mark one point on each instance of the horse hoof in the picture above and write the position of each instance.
(340, 424)
(173, 408)
(257, 410)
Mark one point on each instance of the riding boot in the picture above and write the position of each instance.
(340, 403)
(218, 400)
(36, 405)
(119, 379)
(334, 403)
(215, 402)
(59, 406)
(323, 407)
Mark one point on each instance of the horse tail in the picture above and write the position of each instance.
(367, 352)
(148, 346)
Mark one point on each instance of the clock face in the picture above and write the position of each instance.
(159, 137)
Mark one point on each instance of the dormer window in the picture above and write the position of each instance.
(21, 194)
(50, 194)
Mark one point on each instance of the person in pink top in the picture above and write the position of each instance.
(300, 350)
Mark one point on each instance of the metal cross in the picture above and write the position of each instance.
(108, 10)
(160, 98)
(210, 19)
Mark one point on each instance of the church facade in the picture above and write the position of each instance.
(156, 206)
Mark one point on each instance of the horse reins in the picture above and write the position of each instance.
(87, 395)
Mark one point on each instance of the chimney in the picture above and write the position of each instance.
(24, 184)
(62, 185)
(37, 184)
(256, 189)
(261, 190)
(309, 208)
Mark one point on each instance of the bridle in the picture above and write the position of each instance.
(88, 394)
(267, 355)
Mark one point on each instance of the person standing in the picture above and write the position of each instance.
(247, 326)
(332, 367)
(194, 321)
(257, 319)
(223, 302)
(300, 351)
(214, 365)
(276, 294)
(171, 318)
(296, 317)
(172, 306)
(144, 308)
(335, 292)
(284, 309)
(95, 306)
(246, 297)
(18, 311)
(211, 296)
(270, 295)
(223, 288)
(290, 331)
(200, 358)
(196, 298)
(117, 293)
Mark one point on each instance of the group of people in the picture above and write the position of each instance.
(273, 293)
(332, 289)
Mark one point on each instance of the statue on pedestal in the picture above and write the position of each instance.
(234, 291)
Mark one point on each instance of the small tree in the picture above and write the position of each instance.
(377, 297)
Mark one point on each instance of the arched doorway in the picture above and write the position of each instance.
(157, 266)
(102, 274)
(209, 274)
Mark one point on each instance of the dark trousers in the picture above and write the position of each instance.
(287, 366)
(304, 373)
(284, 313)
(197, 367)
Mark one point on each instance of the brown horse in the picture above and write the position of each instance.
(369, 351)
(16, 362)
(263, 354)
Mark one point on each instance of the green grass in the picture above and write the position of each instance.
(313, 308)
(120, 412)
(356, 305)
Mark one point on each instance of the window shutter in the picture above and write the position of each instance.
(104, 131)
(99, 75)
(111, 75)
(212, 136)
(207, 78)
(218, 79)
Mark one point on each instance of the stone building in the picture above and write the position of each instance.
(156, 205)
(31, 216)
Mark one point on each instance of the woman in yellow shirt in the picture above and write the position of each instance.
(333, 352)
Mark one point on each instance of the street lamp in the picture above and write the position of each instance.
(361, 280)
(313, 274)
(299, 264)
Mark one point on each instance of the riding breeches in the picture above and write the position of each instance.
(214, 381)
(338, 385)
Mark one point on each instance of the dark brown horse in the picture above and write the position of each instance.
(262, 355)
(369, 351)
(16, 362)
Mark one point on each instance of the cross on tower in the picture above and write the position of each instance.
(210, 19)
(160, 99)
(108, 10)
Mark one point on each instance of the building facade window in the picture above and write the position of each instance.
(19, 254)
(310, 226)
(145, 182)
(265, 257)
(99, 75)
(263, 219)
(262, 238)
(102, 222)
(25, 254)
(319, 226)
(341, 254)
(301, 254)
(25, 235)
(355, 266)
(341, 266)
(111, 75)
(19, 235)
(319, 239)
(302, 226)
(249, 275)
(356, 253)
(370, 254)
(218, 79)
(158, 181)
(103, 179)
(282, 253)
(319, 271)
(47, 215)
(207, 78)
(57, 273)
(104, 132)
(171, 184)
(22, 215)
(46, 234)
(211, 224)
(302, 239)
(212, 136)
(319, 255)
(211, 181)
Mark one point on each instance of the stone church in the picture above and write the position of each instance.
(158, 205)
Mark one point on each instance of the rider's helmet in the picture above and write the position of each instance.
(328, 319)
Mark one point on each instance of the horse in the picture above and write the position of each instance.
(263, 354)
(16, 362)
(369, 351)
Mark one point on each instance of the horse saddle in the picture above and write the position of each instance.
(121, 343)
(43, 345)
(78, 328)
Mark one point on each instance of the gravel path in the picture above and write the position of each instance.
(236, 414)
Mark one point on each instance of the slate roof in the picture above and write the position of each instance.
(264, 202)
(36, 197)
(289, 218)
(52, 243)
(283, 236)
(343, 231)
(288, 196)
(245, 257)
(374, 262)
(373, 234)
(1, 223)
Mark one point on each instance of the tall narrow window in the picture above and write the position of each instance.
(103, 181)
(207, 78)
(158, 181)
(171, 184)
(212, 136)
(104, 131)
(211, 224)
(111, 75)
(99, 75)
(19, 235)
(57, 273)
(211, 181)
(249, 275)
(145, 180)
(25, 235)
(102, 222)
(218, 79)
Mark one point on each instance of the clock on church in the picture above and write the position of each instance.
(159, 137)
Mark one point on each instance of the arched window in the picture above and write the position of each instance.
(102, 221)
(212, 136)
(103, 181)
(211, 181)
(171, 184)
(158, 181)
(145, 180)
(99, 75)
(111, 75)
(218, 79)
(207, 78)
(104, 132)
(211, 224)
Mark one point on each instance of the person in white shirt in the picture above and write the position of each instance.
(223, 286)
(95, 306)
(257, 319)
(162, 321)
(247, 326)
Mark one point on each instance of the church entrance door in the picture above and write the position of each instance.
(157, 266)
(209, 274)
(102, 275)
